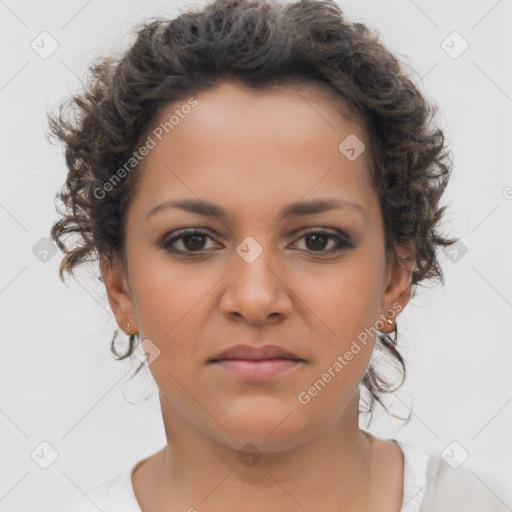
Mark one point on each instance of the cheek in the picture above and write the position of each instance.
(343, 307)
(167, 295)
(343, 302)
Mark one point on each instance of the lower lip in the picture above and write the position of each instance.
(260, 369)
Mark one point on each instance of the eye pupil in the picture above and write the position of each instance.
(194, 245)
(316, 244)
(194, 242)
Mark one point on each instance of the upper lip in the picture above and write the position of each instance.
(257, 353)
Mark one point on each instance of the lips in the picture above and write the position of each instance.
(247, 352)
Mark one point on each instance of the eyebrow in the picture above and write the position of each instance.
(295, 209)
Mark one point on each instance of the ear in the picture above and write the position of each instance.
(119, 293)
(399, 279)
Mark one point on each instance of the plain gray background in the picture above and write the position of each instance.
(59, 384)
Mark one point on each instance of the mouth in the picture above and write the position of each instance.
(251, 363)
(257, 369)
(247, 352)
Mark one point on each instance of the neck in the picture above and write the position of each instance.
(328, 472)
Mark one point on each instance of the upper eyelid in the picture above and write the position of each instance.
(206, 231)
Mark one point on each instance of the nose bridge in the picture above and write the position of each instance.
(257, 264)
(256, 289)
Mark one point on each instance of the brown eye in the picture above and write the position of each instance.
(192, 241)
(318, 241)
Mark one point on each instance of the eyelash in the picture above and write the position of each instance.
(342, 244)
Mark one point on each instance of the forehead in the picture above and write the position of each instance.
(231, 102)
(240, 143)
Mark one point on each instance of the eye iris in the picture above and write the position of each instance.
(318, 241)
(194, 245)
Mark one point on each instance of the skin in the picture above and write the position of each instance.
(252, 153)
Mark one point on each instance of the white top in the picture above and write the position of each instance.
(430, 485)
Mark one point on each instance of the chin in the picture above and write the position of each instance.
(271, 428)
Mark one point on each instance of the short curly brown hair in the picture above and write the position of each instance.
(259, 43)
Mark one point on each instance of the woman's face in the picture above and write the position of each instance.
(310, 281)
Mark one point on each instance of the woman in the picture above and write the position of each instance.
(260, 183)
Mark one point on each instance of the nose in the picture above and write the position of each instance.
(257, 291)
